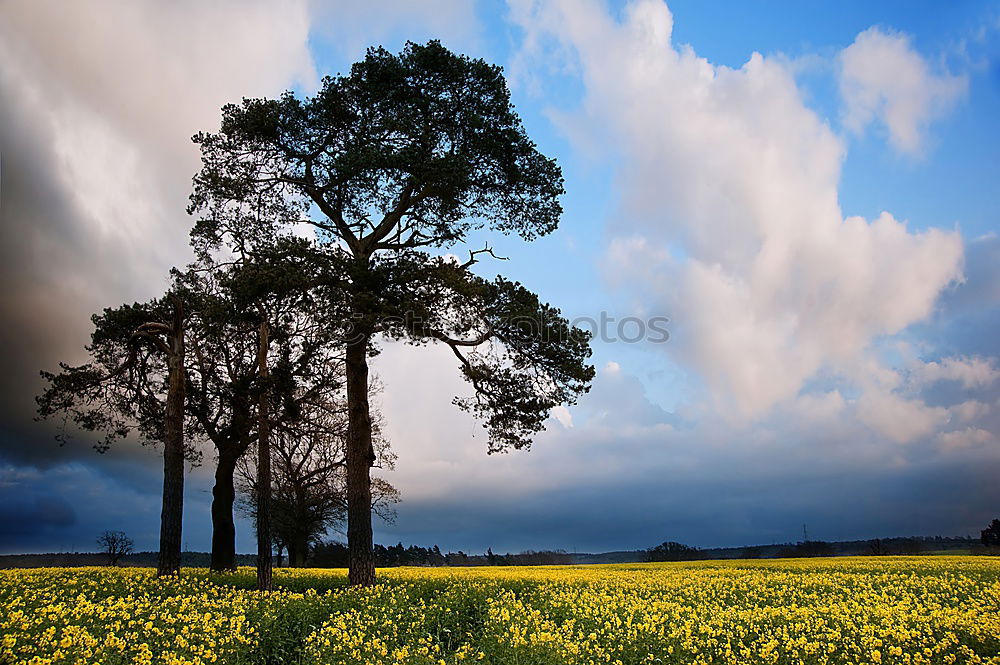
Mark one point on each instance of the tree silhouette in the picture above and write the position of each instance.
(673, 551)
(115, 544)
(135, 383)
(224, 364)
(990, 536)
(405, 155)
(270, 288)
(307, 480)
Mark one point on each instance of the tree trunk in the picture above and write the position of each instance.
(300, 531)
(360, 457)
(223, 525)
(263, 468)
(298, 551)
(171, 515)
(296, 554)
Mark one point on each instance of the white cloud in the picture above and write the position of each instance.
(965, 438)
(897, 418)
(970, 373)
(883, 78)
(562, 414)
(765, 280)
(970, 410)
(818, 408)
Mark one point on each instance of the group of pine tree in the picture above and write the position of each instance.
(323, 227)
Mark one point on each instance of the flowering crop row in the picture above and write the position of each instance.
(911, 611)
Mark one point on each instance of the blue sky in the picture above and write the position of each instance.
(818, 222)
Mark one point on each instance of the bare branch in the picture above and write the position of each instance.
(476, 252)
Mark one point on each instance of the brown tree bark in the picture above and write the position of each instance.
(223, 524)
(171, 514)
(264, 582)
(360, 457)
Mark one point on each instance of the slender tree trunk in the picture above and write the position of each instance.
(300, 531)
(263, 468)
(296, 558)
(360, 457)
(171, 515)
(223, 525)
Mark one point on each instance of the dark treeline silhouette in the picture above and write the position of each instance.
(807, 548)
(990, 536)
(911, 545)
(335, 555)
(673, 551)
(899, 546)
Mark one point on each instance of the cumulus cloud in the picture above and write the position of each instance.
(970, 410)
(972, 372)
(883, 78)
(965, 438)
(899, 419)
(729, 218)
(562, 414)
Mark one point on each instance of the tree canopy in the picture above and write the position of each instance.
(407, 153)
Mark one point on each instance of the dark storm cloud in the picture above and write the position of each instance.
(34, 213)
(65, 505)
(48, 257)
(28, 515)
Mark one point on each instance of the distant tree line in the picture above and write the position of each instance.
(988, 543)
(335, 555)
(899, 546)
(674, 551)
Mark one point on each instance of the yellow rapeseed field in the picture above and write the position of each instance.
(844, 610)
